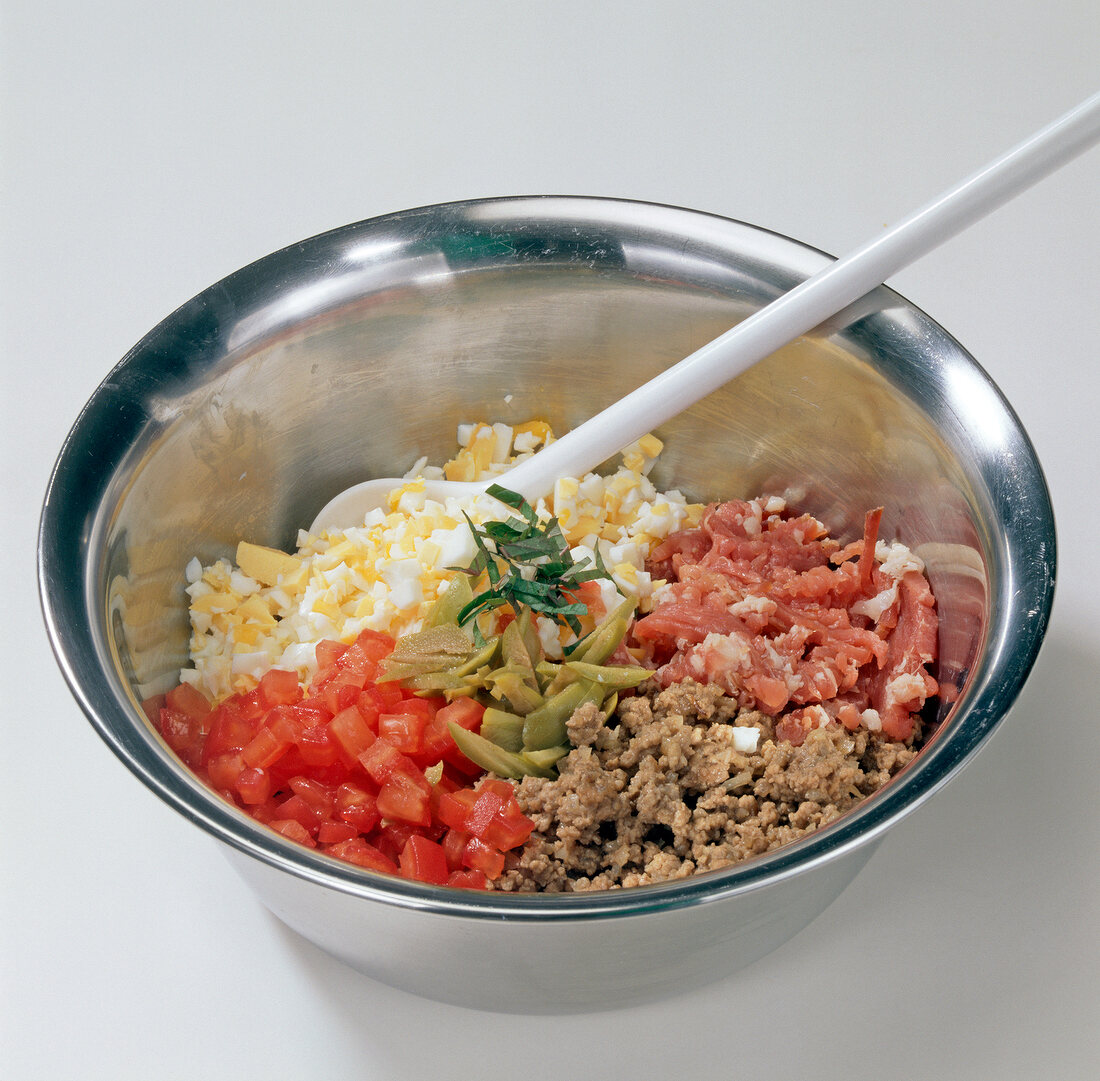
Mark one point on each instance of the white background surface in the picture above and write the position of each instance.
(148, 151)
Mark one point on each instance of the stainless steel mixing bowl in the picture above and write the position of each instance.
(351, 354)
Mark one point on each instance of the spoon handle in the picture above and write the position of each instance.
(809, 304)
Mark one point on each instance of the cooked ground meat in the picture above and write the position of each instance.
(659, 791)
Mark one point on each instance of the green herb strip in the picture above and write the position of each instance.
(528, 564)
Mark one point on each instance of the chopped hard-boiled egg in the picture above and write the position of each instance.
(384, 574)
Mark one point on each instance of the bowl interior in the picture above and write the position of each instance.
(354, 353)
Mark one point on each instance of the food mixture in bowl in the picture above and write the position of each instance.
(612, 688)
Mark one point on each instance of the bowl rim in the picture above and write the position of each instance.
(120, 723)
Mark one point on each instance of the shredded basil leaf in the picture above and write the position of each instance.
(529, 564)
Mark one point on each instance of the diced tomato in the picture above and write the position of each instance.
(296, 808)
(404, 730)
(328, 653)
(438, 742)
(420, 707)
(329, 833)
(358, 807)
(392, 836)
(381, 760)
(465, 712)
(377, 645)
(229, 730)
(435, 743)
(509, 829)
(453, 807)
(254, 786)
(224, 770)
(317, 746)
(391, 695)
(265, 748)
(293, 829)
(189, 700)
(402, 798)
(152, 706)
(454, 846)
(351, 732)
(306, 713)
(340, 692)
(184, 735)
(307, 763)
(288, 723)
(423, 860)
(445, 783)
(279, 687)
(357, 851)
(319, 797)
(468, 880)
(291, 764)
(487, 806)
(365, 655)
(372, 703)
(251, 706)
(480, 856)
(498, 785)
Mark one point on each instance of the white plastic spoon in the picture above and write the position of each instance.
(796, 312)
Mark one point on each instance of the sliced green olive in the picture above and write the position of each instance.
(442, 640)
(457, 595)
(529, 633)
(546, 672)
(612, 677)
(548, 758)
(502, 728)
(513, 649)
(513, 685)
(545, 726)
(480, 658)
(489, 756)
(604, 640)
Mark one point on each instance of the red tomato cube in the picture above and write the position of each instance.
(358, 807)
(480, 856)
(404, 730)
(292, 828)
(294, 807)
(465, 712)
(183, 734)
(329, 833)
(468, 880)
(279, 687)
(228, 730)
(357, 851)
(401, 798)
(328, 653)
(264, 749)
(509, 829)
(423, 860)
(486, 807)
(339, 692)
(224, 769)
(254, 786)
(317, 746)
(319, 797)
(382, 759)
(453, 807)
(454, 846)
(351, 732)
(187, 699)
